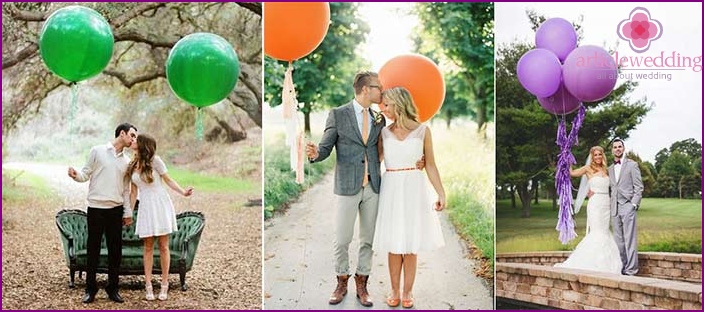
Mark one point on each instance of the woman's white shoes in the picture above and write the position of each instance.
(150, 292)
(163, 294)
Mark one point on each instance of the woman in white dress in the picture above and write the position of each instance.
(156, 217)
(598, 250)
(407, 221)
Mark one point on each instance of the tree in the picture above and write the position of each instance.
(323, 79)
(660, 158)
(525, 140)
(679, 170)
(144, 34)
(646, 174)
(678, 178)
(462, 33)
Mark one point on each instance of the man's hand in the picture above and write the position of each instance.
(127, 221)
(420, 164)
(590, 193)
(72, 173)
(311, 150)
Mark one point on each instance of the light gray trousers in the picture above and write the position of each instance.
(624, 224)
(364, 203)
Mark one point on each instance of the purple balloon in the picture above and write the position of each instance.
(539, 72)
(558, 36)
(590, 73)
(560, 103)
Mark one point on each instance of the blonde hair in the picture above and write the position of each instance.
(594, 167)
(146, 148)
(405, 108)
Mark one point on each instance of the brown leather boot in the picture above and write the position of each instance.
(340, 290)
(362, 293)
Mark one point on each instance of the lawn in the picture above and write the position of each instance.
(466, 164)
(664, 224)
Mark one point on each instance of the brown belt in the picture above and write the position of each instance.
(401, 169)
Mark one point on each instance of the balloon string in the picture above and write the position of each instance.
(199, 124)
(73, 109)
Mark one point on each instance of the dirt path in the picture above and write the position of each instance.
(298, 264)
(226, 273)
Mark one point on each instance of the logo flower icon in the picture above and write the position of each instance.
(639, 29)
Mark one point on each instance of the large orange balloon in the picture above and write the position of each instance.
(293, 30)
(421, 76)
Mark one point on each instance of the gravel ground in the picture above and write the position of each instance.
(227, 272)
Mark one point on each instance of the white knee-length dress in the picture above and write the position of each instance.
(156, 215)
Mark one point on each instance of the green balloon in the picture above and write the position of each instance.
(202, 69)
(76, 43)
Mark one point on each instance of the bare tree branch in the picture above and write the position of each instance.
(255, 7)
(26, 53)
(131, 35)
(129, 83)
(247, 73)
(127, 16)
(27, 16)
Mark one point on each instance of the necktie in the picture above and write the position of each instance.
(365, 125)
(365, 137)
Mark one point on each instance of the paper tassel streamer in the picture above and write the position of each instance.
(563, 183)
(300, 152)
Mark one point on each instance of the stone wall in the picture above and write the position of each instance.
(662, 265)
(530, 277)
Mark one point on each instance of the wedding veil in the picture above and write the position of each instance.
(583, 189)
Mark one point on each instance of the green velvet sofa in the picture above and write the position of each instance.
(183, 244)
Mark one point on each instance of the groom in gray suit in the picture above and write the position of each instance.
(626, 192)
(353, 129)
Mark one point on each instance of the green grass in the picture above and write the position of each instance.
(17, 185)
(664, 224)
(466, 165)
(280, 187)
(208, 183)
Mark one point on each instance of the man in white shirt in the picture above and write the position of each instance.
(108, 206)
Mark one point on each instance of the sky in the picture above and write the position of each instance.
(677, 103)
(390, 31)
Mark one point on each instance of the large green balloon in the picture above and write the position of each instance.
(76, 43)
(202, 69)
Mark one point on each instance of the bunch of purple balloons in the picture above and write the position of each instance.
(562, 75)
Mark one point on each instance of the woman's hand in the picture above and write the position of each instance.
(440, 204)
(188, 192)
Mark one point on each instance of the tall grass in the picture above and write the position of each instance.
(209, 183)
(466, 164)
(18, 185)
(280, 187)
(663, 224)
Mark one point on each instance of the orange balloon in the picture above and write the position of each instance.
(421, 76)
(293, 30)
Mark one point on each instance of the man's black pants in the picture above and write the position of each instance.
(108, 221)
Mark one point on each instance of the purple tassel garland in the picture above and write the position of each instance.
(563, 182)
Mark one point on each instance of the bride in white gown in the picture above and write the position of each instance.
(598, 250)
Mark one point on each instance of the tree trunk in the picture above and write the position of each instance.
(525, 195)
(512, 188)
(306, 123)
(535, 197)
(481, 113)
